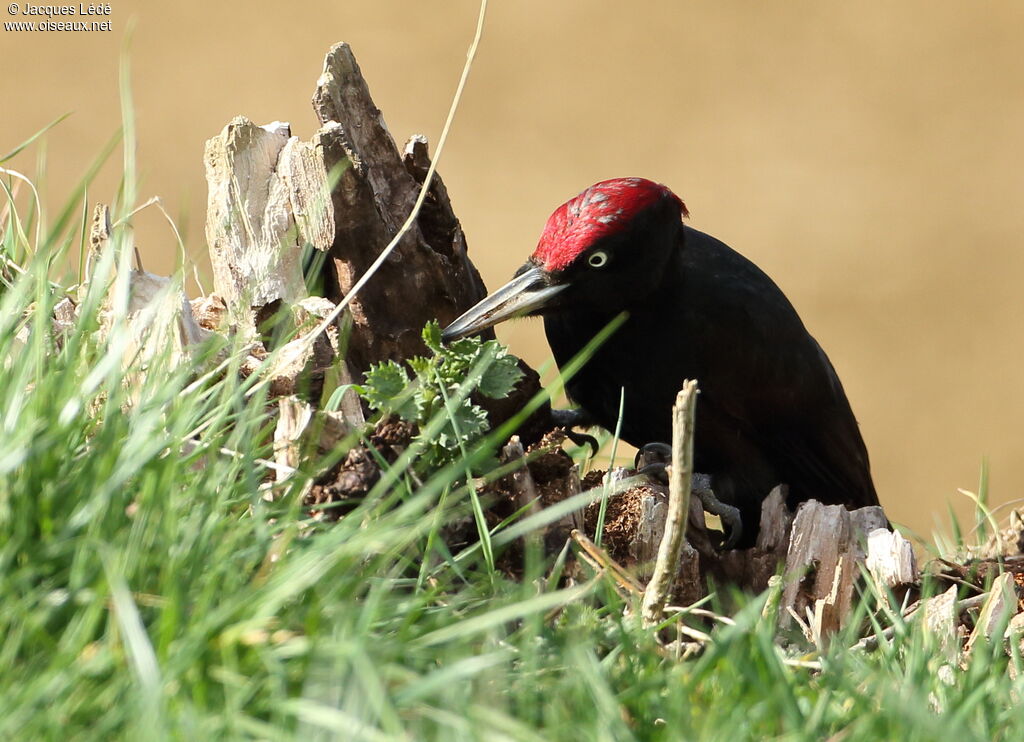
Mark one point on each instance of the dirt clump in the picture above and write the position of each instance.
(341, 488)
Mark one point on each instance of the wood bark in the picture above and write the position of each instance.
(429, 275)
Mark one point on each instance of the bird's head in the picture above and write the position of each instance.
(604, 248)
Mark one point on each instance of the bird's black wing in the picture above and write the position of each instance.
(767, 381)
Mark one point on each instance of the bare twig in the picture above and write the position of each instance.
(666, 568)
(523, 487)
(600, 557)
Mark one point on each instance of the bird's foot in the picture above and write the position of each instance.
(729, 515)
(653, 460)
(569, 419)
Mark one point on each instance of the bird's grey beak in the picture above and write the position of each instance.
(524, 294)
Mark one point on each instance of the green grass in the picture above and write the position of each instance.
(149, 591)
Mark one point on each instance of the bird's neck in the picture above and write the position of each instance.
(569, 332)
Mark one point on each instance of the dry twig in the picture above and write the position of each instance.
(666, 568)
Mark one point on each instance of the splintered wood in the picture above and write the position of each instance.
(260, 178)
(286, 214)
(821, 550)
(268, 200)
(157, 316)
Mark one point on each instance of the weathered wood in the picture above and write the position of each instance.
(343, 96)
(573, 520)
(65, 314)
(524, 492)
(269, 197)
(555, 478)
(750, 568)
(776, 522)
(868, 519)
(1014, 635)
(650, 531)
(890, 558)
(940, 621)
(298, 366)
(996, 612)
(152, 293)
(99, 229)
(158, 316)
(830, 610)
(293, 417)
(689, 585)
(300, 423)
(255, 248)
(301, 170)
(614, 477)
(821, 535)
(209, 312)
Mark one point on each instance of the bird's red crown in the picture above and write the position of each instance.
(601, 210)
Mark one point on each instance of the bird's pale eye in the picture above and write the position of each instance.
(598, 259)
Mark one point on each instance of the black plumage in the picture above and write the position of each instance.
(771, 408)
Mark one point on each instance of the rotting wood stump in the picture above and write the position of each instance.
(345, 192)
(275, 199)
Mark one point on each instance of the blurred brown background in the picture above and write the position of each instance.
(867, 156)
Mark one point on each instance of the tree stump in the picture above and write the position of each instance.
(346, 192)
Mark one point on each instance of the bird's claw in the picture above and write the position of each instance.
(583, 439)
(729, 515)
(569, 419)
(652, 461)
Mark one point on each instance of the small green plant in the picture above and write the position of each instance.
(441, 385)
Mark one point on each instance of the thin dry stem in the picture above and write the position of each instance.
(666, 568)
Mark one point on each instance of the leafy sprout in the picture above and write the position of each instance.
(441, 385)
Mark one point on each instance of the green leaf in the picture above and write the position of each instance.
(466, 348)
(469, 422)
(422, 367)
(409, 405)
(384, 383)
(501, 376)
(432, 336)
(465, 366)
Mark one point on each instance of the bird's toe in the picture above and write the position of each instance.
(578, 418)
(652, 461)
(653, 453)
(729, 515)
(582, 439)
